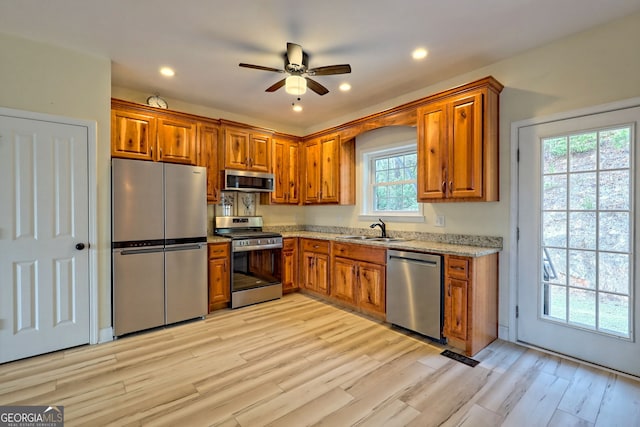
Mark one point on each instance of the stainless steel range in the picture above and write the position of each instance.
(255, 259)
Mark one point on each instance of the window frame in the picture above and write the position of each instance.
(367, 211)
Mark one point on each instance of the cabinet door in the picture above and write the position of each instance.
(309, 276)
(312, 165)
(432, 152)
(322, 273)
(292, 174)
(456, 308)
(133, 135)
(465, 147)
(329, 179)
(280, 172)
(259, 154)
(344, 280)
(176, 141)
(289, 265)
(371, 287)
(218, 282)
(236, 149)
(208, 136)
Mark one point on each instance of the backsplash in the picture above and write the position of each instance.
(456, 239)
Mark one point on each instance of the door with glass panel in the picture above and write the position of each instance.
(576, 249)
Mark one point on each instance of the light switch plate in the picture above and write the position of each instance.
(439, 221)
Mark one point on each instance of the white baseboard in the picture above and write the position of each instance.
(105, 335)
(503, 332)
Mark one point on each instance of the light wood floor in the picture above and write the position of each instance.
(299, 361)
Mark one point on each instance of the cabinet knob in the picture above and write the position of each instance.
(80, 246)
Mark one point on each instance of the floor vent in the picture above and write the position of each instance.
(460, 358)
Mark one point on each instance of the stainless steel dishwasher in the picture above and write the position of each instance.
(414, 292)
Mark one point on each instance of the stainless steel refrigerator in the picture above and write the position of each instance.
(159, 234)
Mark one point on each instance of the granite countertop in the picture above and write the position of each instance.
(414, 243)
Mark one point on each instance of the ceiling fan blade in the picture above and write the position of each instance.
(330, 69)
(294, 54)
(274, 87)
(260, 67)
(316, 87)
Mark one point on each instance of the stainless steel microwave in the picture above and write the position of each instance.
(253, 182)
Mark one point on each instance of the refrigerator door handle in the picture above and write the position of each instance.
(140, 251)
(182, 248)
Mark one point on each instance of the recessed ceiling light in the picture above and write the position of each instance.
(297, 108)
(419, 53)
(345, 87)
(167, 72)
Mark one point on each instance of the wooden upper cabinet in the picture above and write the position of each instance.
(466, 147)
(329, 171)
(208, 135)
(285, 162)
(176, 141)
(141, 132)
(246, 149)
(458, 145)
(132, 134)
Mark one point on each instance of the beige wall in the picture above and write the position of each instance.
(46, 79)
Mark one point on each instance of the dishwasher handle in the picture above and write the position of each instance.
(418, 261)
(431, 260)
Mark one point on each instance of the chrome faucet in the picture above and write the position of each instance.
(382, 226)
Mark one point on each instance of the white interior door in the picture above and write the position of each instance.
(577, 210)
(44, 209)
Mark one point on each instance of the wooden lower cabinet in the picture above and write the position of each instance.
(219, 275)
(371, 287)
(289, 264)
(345, 277)
(358, 276)
(314, 265)
(471, 302)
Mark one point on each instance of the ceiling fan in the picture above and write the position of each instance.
(296, 65)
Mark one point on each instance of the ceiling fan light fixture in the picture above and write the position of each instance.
(295, 85)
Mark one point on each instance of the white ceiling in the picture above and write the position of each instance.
(204, 40)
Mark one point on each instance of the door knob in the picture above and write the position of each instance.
(80, 246)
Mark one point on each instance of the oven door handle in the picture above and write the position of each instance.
(256, 247)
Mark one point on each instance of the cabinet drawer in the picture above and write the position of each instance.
(318, 246)
(288, 243)
(372, 254)
(218, 250)
(458, 268)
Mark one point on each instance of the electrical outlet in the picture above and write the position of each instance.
(439, 221)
